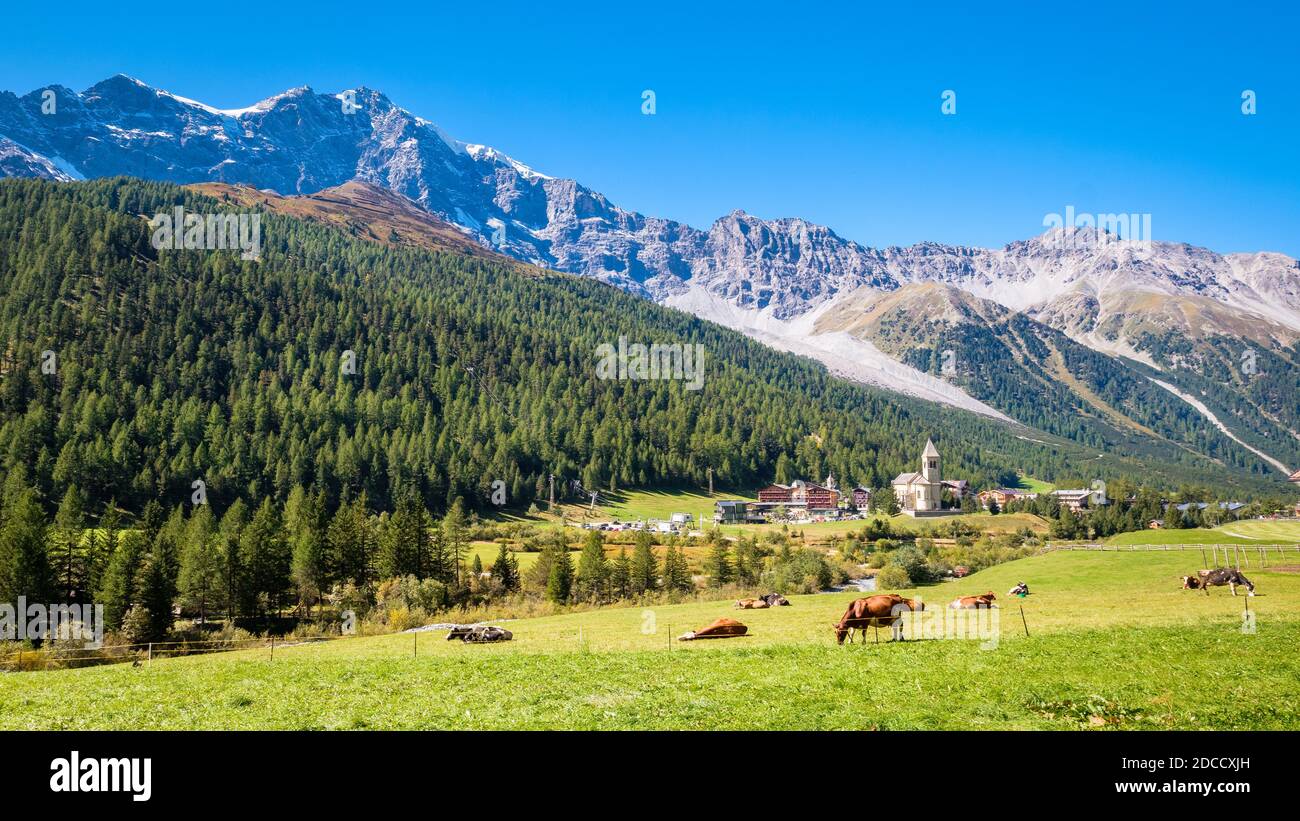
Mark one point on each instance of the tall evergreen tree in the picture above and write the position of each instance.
(24, 564)
(505, 570)
(200, 583)
(593, 571)
(644, 575)
(559, 581)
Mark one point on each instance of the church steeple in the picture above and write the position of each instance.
(930, 466)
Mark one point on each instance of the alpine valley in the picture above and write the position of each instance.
(1118, 347)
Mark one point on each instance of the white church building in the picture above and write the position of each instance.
(921, 494)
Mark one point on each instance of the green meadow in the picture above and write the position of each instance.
(1254, 531)
(1113, 642)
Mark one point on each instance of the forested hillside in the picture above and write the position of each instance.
(177, 366)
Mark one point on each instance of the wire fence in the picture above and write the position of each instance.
(54, 656)
(1212, 555)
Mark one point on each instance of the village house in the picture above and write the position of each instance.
(1003, 496)
(1079, 500)
(800, 497)
(861, 498)
(921, 494)
(730, 512)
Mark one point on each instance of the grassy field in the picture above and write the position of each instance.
(1033, 485)
(1247, 532)
(1113, 642)
(1278, 531)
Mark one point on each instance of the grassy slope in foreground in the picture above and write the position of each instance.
(1114, 640)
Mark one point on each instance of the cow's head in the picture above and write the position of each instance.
(841, 630)
(1191, 583)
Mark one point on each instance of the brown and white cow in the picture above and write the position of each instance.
(885, 610)
(721, 629)
(983, 600)
(1205, 579)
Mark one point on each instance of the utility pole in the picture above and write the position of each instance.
(552, 493)
(710, 482)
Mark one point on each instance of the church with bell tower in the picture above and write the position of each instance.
(921, 493)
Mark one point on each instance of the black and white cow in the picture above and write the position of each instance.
(479, 633)
(1205, 579)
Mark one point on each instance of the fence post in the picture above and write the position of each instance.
(150, 658)
(272, 648)
(416, 650)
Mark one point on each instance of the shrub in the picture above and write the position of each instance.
(801, 571)
(892, 577)
(913, 562)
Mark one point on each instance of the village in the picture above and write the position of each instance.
(924, 494)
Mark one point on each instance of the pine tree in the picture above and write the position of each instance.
(202, 570)
(24, 564)
(620, 575)
(505, 570)
(453, 532)
(117, 590)
(70, 556)
(559, 582)
(155, 590)
(645, 571)
(310, 570)
(264, 561)
(718, 565)
(676, 571)
(231, 529)
(592, 569)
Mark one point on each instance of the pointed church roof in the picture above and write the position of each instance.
(930, 449)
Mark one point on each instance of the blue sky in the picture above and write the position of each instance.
(831, 113)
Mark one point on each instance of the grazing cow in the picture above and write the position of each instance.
(720, 629)
(776, 600)
(983, 600)
(751, 604)
(1205, 579)
(885, 610)
(479, 634)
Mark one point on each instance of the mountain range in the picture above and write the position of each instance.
(1074, 332)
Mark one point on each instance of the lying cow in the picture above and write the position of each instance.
(479, 633)
(751, 604)
(720, 629)
(1020, 589)
(885, 610)
(776, 600)
(1205, 579)
(982, 601)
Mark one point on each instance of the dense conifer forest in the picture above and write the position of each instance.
(176, 366)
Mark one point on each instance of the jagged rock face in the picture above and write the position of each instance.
(301, 141)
